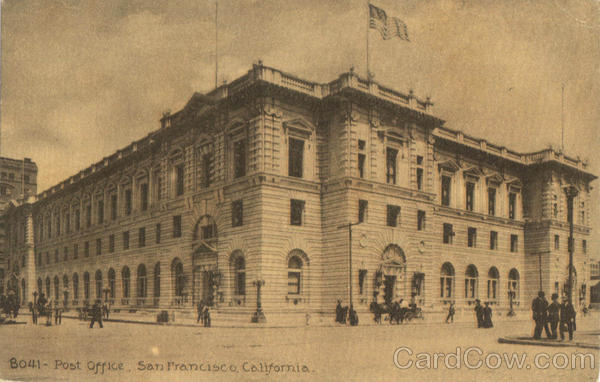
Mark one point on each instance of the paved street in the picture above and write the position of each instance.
(120, 351)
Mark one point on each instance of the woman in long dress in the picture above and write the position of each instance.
(487, 316)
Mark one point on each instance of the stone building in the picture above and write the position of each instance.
(258, 180)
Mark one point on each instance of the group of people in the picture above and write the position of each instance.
(345, 314)
(43, 307)
(9, 304)
(203, 310)
(553, 314)
(483, 314)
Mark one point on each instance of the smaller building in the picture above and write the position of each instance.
(595, 283)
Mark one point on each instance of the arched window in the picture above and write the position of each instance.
(40, 286)
(239, 275)
(56, 288)
(492, 284)
(98, 284)
(471, 282)
(86, 286)
(125, 275)
(157, 280)
(65, 284)
(179, 279)
(513, 284)
(75, 286)
(447, 281)
(48, 295)
(23, 293)
(295, 275)
(142, 288)
(111, 283)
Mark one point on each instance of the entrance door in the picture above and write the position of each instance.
(204, 289)
(389, 284)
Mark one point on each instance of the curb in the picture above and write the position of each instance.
(523, 341)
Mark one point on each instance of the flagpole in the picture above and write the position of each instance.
(368, 27)
(216, 43)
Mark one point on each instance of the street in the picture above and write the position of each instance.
(122, 351)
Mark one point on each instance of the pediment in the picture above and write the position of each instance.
(494, 179)
(449, 165)
(299, 126)
(473, 172)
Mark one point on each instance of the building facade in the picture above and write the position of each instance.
(257, 182)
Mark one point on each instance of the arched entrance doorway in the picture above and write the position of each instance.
(392, 274)
(205, 275)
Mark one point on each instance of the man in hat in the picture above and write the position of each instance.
(96, 314)
(554, 315)
(567, 319)
(539, 306)
(479, 313)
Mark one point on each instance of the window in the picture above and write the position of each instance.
(77, 220)
(363, 207)
(493, 240)
(86, 249)
(65, 254)
(470, 193)
(391, 156)
(295, 157)
(177, 226)
(113, 206)
(75, 286)
(26, 178)
(179, 180)
(98, 247)
(144, 196)
(100, 211)
(58, 224)
(471, 282)
(126, 240)
(393, 216)
(491, 201)
(584, 246)
(361, 165)
(472, 237)
(111, 283)
(157, 280)
(56, 259)
(142, 237)
(514, 243)
(68, 221)
(492, 284)
(296, 212)
(86, 285)
(239, 158)
(111, 243)
(294, 275)
(142, 283)
(556, 242)
(179, 279)
(446, 190)
(127, 202)
(420, 220)
(88, 216)
(206, 166)
(75, 251)
(447, 281)
(512, 203)
(237, 213)
(98, 284)
(513, 284)
(156, 185)
(239, 276)
(125, 282)
(419, 178)
(448, 233)
(158, 233)
(582, 214)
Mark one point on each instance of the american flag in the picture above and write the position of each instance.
(388, 27)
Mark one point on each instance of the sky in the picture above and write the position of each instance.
(81, 79)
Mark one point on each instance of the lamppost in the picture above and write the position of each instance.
(35, 294)
(511, 296)
(105, 291)
(571, 194)
(259, 316)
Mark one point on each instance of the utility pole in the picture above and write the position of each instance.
(571, 194)
(349, 226)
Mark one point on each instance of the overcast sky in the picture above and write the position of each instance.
(81, 79)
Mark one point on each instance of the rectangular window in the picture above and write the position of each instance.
(142, 237)
(472, 237)
(556, 242)
(584, 246)
(296, 157)
(111, 243)
(56, 256)
(125, 240)
(68, 222)
(446, 190)
(65, 253)
(206, 165)
(157, 185)
(86, 249)
(239, 158)
(128, 202)
(144, 196)
(419, 179)
(98, 247)
(75, 251)
(420, 220)
(296, 211)
(100, 211)
(448, 233)
(158, 233)
(57, 226)
(391, 156)
(512, 203)
(179, 180)
(237, 213)
(363, 206)
(361, 165)
(88, 216)
(470, 193)
(77, 220)
(491, 201)
(514, 243)
(177, 226)
(393, 216)
(493, 240)
(293, 282)
(113, 206)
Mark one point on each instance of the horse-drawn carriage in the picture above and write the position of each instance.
(395, 312)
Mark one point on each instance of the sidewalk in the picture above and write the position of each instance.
(588, 340)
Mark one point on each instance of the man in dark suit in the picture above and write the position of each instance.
(539, 306)
(567, 319)
(96, 315)
(479, 313)
(554, 315)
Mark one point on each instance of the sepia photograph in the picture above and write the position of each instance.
(299, 190)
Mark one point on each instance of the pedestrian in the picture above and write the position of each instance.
(200, 311)
(451, 312)
(487, 316)
(105, 310)
(48, 309)
(57, 314)
(338, 312)
(96, 315)
(539, 306)
(554, 315)
(353, 317)
(206, 316)
(567, 319)
(479, 313)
